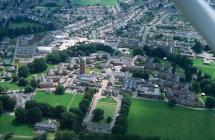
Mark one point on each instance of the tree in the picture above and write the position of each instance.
(60, 90)
(210, 103)
(1, 108)
(29, 89)
(67, 119)
(197, 48)
(109, 119)
(34, 83)
(8, 103)
(196, 87)
(21, 114)
(15, 78)
(38, 65)
(137, 51)
(171, 103)
(59, 110)
(65, 135)
(98, 115)
(22, 82)
(34, 115)
(31, 104)
(23, 71)
(2, 90)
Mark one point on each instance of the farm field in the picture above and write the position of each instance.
(155, 118)
(95, 2)
(67, 100)
(108, 105)
(8, 125)
(207, 69)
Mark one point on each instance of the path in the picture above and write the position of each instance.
(73, 97)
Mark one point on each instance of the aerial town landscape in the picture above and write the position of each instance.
(104, 69)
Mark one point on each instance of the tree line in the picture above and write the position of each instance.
(121, 125)
(7, 31)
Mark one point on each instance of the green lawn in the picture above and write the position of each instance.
(8, 125)
(95, 2)
(108, 105)
(9, 86)
(67, 100)
(207, 69)
(155, 118)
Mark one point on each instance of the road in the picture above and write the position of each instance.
(156, 21)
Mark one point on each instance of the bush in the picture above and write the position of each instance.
(210, 103)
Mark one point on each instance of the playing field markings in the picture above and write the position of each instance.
(68, 107)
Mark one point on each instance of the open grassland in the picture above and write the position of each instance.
(9, 86)
(207, 69)
(95, 2)
(7, 124)
(108, 105)
(155, 118)
(66, 100)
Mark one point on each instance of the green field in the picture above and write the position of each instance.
(95, 2)
(67, 100)
(108, 105)
(9, 86)
(207, 69)
(155, 118)
(7, 124)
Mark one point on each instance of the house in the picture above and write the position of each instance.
(45, 126)
(149, 91)
(129, 85)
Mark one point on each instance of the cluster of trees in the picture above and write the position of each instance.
(199, 48)
(37, 66)
(60, 90)
(57, 57)
(121, 126)
(87, 49)
(6, 30)
(34, 112)
(140, 73)
(73, 119)
(98, 114)
(7, 103)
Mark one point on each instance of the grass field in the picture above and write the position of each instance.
(155, 118)
(9, 86)
(207, 69)
(95, 2)
(67, 100)
(108, 105)
(8, 125)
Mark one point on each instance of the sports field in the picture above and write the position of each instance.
(95, 2)
(67, 100)
(155, 118)
(207, 69)
(108, 105)
(7, 124)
